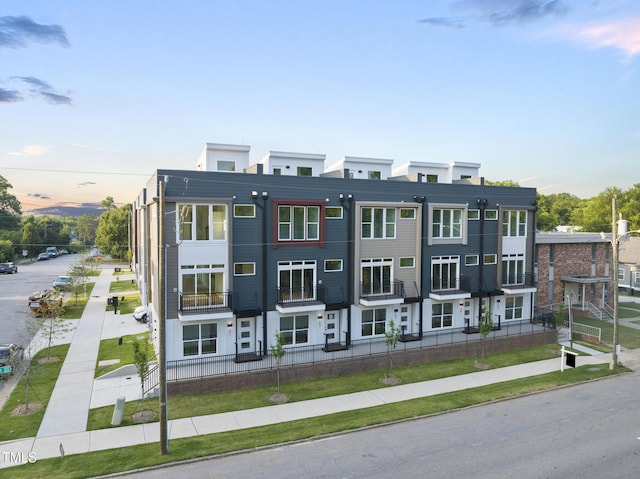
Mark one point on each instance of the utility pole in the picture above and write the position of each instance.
(162, 335)
(614, 246)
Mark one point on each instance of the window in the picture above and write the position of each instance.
(491, 214)
(473, 215)
(305, 171)
(333, 212)
(277, 171)
(224, 165)
(471, 260)
(296, 280)
(621, 274)
(298, 223)
(376, 276)
(199, 339)
(374, 175)
(432, 178)
(408, 213)
(513, 269)
(441, 315)
(331, 265)
(514, 223)
(244, 269)
(446, 223)
(244, 211)
(409, 262)
(490, 259)
(295, 329)
(374, 322)
(513, 307)
(202, 285)
(201, 222)
(378, 223)
(444, 272)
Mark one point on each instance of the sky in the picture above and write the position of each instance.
(96, 95)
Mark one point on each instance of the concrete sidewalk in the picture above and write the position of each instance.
(76, 391)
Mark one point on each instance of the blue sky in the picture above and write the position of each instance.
(96, 95)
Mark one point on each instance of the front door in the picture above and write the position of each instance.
(332, 327)
(405, 320)
(246, 336)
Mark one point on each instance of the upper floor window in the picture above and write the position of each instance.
(514, 223)
(432, 178)
(244, 211)
(447, 223)
(408, 213)
(226, 165)
(378, 223)
(305, 171)
(333, 212)
(374, 175)
(201, 222)
(298, 223)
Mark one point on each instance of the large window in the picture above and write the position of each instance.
(199, 339)
(513, 307)
(376, 276)
(444, 272)
(374, 322)
(446, 223)
(295, 329)
(202, 285)
(298, 223)
(296, 280)
(378, 223)
(513, 269)
(201, 222)
(441, 315)
(514, 223)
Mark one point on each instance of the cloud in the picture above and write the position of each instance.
(42, 89)
(9, 96)
(17, 32)
(29, 150)
(621, 34)
(500, 12)
(39, 195)
(87, 183)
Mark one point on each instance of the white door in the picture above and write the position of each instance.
(405, 320)
(332, 327)
(246, 336)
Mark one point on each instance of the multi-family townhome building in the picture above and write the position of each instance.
(629, 265)
(231, 253)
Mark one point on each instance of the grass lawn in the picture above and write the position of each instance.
(111, 349)
(131, 301)
(74, 305)
(123, 286)
(188, 405)
(42, 378)
(628, 310)
(111, 461)
(629, 337)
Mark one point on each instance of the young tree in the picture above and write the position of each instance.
(485, 325)
(79, 274)
(141, 361)
(391, 337)
(277, 350)
(47, 318)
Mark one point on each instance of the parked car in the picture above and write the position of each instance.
(62, 282)
(43, 256)
(141, 313)
(10, 355)
(52, 251)
(8, 268)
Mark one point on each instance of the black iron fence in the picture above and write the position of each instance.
(205, 303)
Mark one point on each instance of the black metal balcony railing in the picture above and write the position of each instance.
(381, 290)
(460, 283)
(522, 280)
(205, 303)
(305, 294)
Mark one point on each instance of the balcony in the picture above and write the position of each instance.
(207, 303)
(299, 300)
(519, 283)
(378, 294)
(443, 288)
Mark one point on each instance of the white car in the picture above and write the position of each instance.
(141, 314)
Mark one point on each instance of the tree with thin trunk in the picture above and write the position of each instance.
(141, 361)
(485, 325)
(391, 337)
(277, 350)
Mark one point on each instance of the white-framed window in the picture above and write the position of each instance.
(295, 329)
(226, 165)
(376, 275)
(333, 212)
(201, 222)
(514, 223)
(277, 171)
(490, 258)
(244, 211)
(199, 339)
(472, 260)
(304, 171)
(244, 269)
(298, 223)
(202, 285)
(445, 273)
(296, 280)
(637, 277)
(513, 269)
(513, 307)
(378, 223)
(408, 262)
(374, 175)
(374, 322)
(407, 213)
(441, 315)
(473, 215)
(432, 178)
(332, 265)
(446, 223)
(491, 215)
(621, 274)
